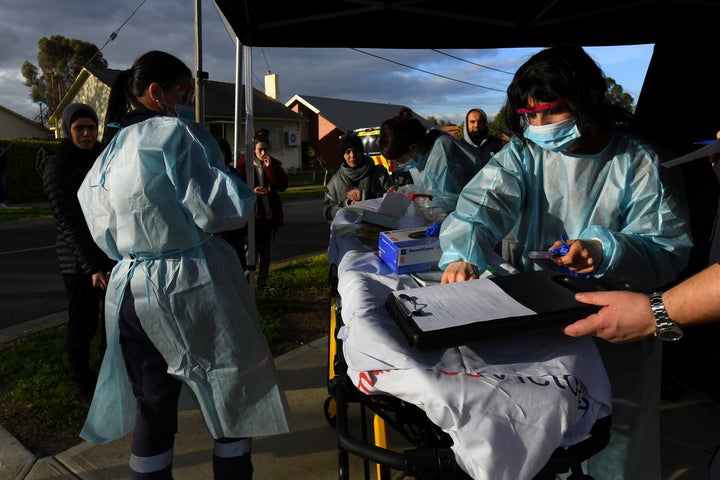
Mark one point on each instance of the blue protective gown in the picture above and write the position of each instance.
(445, 168)
(153, 201)
(615, 196)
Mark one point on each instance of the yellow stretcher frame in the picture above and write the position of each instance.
(380, 432)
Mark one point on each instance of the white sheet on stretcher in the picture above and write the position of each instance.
(507, 403)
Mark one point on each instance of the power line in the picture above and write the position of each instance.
(114, 34)
(472, 63)
(430, 73)
(269, 71)
(110, 38)
(266, 60)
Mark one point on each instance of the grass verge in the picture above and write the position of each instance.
(297, 288)
(36, 392)
(307, 191)
(24, 214)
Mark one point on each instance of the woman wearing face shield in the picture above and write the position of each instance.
(180, 314)
(569, 172)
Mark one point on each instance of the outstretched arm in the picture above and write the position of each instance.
(626, 316)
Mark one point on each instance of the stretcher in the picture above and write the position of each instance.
(399, 432)
(430, 455)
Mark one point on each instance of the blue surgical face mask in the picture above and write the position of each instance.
(555, 137)
(412, 163)
(185, 113)
(406, 166)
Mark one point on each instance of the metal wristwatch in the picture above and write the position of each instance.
(665, 329)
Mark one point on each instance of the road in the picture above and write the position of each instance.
(305, 230)
(31, 285)
(30, 282)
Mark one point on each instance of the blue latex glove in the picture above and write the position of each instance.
(562, 250)
(433, 230)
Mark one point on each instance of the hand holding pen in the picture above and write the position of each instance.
(583, 256)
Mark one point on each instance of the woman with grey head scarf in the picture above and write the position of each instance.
(82, 264)
(357, 179)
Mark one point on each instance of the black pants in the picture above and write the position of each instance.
(264, 238)
(85, 311)
(157, 394)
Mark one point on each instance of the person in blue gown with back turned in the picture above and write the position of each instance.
(180, 313)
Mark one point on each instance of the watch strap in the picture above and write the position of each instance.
(665, 328)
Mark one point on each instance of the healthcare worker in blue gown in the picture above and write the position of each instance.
(569, 171)
(180, 315)
(439, 164)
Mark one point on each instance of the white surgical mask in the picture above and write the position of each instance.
(555, 137)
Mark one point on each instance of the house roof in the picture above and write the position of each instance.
(217, 104)
(219, 99)
(22, 117)
(349, 115)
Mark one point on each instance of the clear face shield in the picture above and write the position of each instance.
(531, 115)
(185, 94)
(184, 100)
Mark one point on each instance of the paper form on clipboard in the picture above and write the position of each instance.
(450, 305)
(458, 313)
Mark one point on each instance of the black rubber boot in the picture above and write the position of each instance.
(233, 468)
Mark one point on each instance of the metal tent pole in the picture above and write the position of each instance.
(249, 156)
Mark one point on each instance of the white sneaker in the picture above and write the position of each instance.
(3, 205)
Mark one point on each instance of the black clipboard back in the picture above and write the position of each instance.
(550, 294)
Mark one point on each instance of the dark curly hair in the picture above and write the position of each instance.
(556, 73)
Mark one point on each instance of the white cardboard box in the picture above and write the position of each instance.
(410, 250)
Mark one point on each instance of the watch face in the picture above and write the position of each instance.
(670, 334)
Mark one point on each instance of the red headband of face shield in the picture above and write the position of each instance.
(541, 107)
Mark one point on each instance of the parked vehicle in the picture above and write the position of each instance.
(371, 144)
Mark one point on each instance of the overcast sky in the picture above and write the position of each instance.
(336, 73)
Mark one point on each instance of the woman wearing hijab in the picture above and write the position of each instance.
(83, 265)
(357, 179)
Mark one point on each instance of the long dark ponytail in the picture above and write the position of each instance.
(153, 66)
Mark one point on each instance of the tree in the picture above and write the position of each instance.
(439, 122)
(60, 60)
(316, 159)
(497, 125)
(617, 96)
